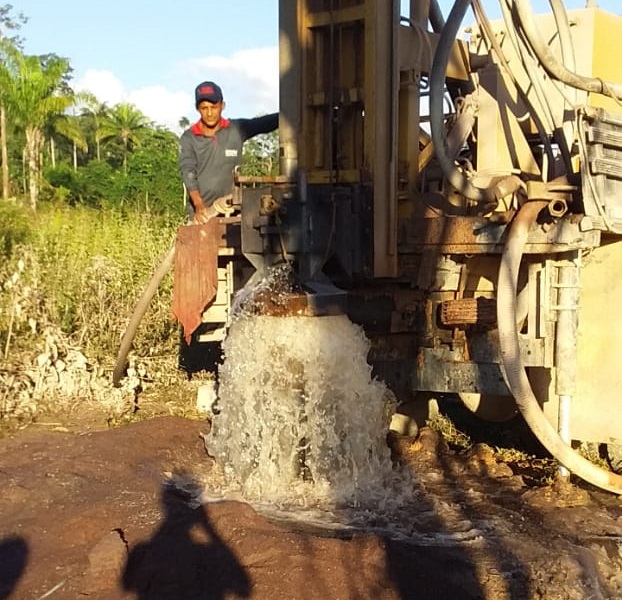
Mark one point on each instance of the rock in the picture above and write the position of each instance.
(432, 441)
(107, 560)
(207, 396)
(560, 494)
(483, 461)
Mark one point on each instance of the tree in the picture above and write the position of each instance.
(35, 90)
(153, 173)
(8, 25)
(70, 128)
(261, 155)
(95, 112)
(126, 123)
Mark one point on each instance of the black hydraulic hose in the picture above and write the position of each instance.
(455, 177)
(437, 21)
(436, 17)
(551, 65)
(516, 376)
(568, 58)
(139, 312)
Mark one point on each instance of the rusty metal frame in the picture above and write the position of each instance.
(362, 79)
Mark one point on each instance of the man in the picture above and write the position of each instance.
(211, 149)
(208, 153)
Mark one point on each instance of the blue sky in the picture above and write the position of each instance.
(153, 53)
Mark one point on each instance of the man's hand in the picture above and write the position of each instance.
(203, 214)
(220, 206)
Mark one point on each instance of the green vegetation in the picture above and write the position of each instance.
(91, 201)
(261, 155)
(80, 271)
(67, 147)
(15, 227)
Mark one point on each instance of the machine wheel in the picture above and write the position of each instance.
(614, 457)
(490, 407)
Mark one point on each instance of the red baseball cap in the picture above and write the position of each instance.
(209, 91)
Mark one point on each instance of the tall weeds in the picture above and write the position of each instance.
(82, 270)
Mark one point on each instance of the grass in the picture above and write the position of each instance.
(452, 435)
(69, 280)
(82, 270)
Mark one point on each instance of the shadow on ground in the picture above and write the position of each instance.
(185, 558)
(13, 560)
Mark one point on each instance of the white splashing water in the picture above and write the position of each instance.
(301, 433)
(302, 422)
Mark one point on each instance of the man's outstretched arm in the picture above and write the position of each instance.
(263, 124)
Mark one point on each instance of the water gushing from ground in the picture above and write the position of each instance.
(301, 432)
(302, 421)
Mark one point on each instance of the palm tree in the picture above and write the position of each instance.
(34, 91)
(125, 122)
(70, 128)
(95, 113)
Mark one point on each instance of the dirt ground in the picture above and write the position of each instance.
(92, 514)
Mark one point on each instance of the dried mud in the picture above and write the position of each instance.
(90, 515)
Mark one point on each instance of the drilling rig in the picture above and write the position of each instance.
(458, 193)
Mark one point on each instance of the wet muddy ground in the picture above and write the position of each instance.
(93, 514)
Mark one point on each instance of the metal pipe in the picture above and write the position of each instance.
(290, 99)
(437, 124)
(558, 207)
(566, 344)
(563, 425)
(567, 307)
(515, 373)
(437, 21)
(420, 11)
(551, 65)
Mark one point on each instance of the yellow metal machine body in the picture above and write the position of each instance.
(409, 152)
